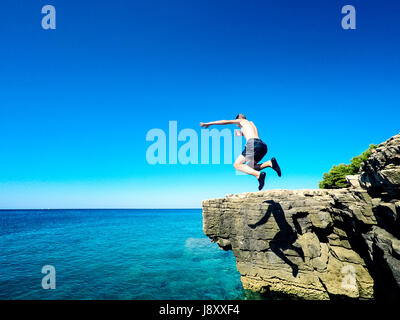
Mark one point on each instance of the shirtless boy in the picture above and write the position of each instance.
(253, 152)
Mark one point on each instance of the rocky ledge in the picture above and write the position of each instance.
(318, 244)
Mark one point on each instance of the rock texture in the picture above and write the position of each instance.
(318, 244)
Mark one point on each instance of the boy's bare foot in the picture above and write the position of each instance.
(276, 167)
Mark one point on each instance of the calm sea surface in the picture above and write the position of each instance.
(114, 254)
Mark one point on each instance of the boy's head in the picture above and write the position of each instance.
(240, 116)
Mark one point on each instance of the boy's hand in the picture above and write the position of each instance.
(204, 125)
(238, 133)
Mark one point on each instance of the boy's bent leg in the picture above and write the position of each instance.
(266, 164)
(241, 166)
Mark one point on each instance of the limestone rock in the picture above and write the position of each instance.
(317, 244)
(354, 181)
(381, 172)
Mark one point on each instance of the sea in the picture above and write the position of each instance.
(113, 255)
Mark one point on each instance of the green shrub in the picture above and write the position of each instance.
(336, 177)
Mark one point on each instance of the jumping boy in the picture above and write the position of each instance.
(253, 152)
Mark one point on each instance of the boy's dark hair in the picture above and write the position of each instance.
(240, 116)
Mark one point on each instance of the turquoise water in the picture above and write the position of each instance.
(113, 254)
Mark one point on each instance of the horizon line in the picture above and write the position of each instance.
(15, 209)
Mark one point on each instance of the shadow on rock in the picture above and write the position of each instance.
(286, 236)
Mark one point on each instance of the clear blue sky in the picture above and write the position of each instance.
(76, 102)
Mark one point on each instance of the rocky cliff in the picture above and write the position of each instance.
(318, 244)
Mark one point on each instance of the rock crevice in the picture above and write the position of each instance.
(317, 244)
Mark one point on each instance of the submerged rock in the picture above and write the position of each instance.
(317, 244)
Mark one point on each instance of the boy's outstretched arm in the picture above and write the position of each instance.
(219, 122)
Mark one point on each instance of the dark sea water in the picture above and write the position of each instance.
(114, 254)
